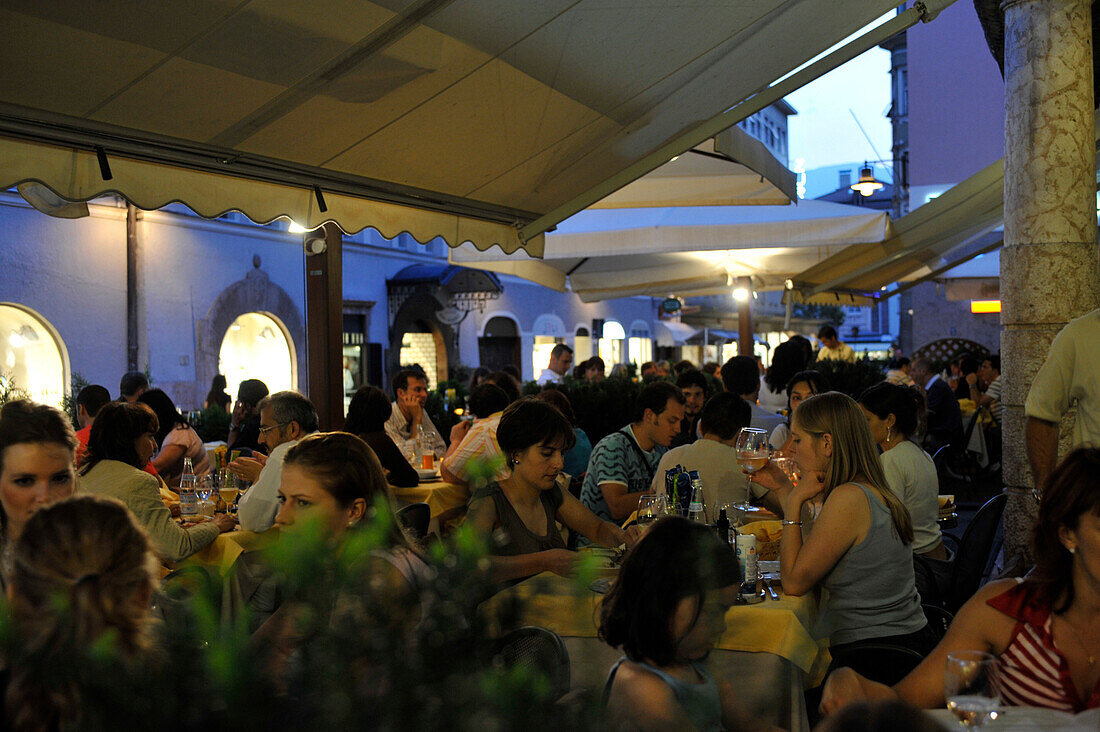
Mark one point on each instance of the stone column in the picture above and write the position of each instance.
(1049, 262)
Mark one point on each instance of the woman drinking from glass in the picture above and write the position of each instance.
(520, 511)
(859, 549)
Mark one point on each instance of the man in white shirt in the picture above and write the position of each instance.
(285, 418)
(1069, 374)
(561, 360)
(714, 456)
(832, 348)
(741, 376)
(410, 391)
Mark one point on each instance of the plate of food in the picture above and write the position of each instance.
(431, 474)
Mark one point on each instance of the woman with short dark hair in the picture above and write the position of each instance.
(120, 445)
(368, 412)
(518, 514)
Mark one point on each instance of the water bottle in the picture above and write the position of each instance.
(746, 558)
(189, 497)
(697, 510)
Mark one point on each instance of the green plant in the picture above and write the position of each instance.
(213, 424)
(68, 402)
(851, 378)
(9, 391)
(364, 655)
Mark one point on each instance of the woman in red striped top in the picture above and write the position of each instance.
(1043, 629)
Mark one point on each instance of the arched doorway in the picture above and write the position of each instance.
(582, 345)
(422, 345)
(32, 355)
(258, 346)
(498, 345)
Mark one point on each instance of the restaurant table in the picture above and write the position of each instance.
(1027, 719)
(767, 651)
(241, 578)
(445, 500)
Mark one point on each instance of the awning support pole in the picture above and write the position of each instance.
(325, 328)
(745, 340)
(681, 143)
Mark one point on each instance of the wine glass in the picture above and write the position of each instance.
(752, 449)
(204, 486)
(969, 687)
(651, 508)
(789, 468)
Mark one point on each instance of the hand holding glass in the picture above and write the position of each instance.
(969, 687)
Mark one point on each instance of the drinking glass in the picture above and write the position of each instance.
(752, 449)
(651, 508)
(229, 490)
(204, 487)
(789, 468)
(969, 687)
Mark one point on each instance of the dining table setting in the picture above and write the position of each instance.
(767, 645)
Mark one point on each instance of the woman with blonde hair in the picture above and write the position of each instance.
(82, 571)
(859, 548)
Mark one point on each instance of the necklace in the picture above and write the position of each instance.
(1088, 654)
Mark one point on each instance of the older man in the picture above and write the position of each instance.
(285, 418)
(944, 422)
(561, 360)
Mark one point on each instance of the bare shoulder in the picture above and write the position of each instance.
(640, 694)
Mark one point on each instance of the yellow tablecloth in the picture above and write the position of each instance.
(439, 495)
(781, 628)
(228, 547)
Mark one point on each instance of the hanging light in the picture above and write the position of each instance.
(867, 183)
(740, 294)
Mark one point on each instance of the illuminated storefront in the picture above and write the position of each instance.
(611, 343)
(257, 346)
(32, 357)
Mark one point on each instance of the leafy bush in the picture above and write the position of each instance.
(360, 656)
(213, 424)
(851, 378)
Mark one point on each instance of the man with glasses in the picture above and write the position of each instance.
(285, 418)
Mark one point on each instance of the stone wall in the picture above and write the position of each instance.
(935, 317)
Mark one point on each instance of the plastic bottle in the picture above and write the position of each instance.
(697, 510)
(746, 557)
(189, 498)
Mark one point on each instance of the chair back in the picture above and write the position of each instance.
(416, 517)
(539, 650)
(939, 620)
(973, 555)
(171, 601)
(882, 662)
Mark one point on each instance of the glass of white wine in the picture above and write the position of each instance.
(228, 492)
(969, 687)
(752, 449)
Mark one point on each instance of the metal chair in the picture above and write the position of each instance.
(938, 619)
(972, 557)
(539, 650)
(416, 517)
(882, 662)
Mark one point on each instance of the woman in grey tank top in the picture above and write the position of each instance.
(859, 549)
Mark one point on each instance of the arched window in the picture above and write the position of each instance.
(611, 343)
(32, 356)
(257, 346)
(582, 345)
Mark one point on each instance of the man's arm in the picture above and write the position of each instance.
(620, 503)
(1042, 448)
(256, 508)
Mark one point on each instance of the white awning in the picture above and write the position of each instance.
(605, 254)
(499, 118)
(672, 333)
(964, 214)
